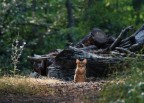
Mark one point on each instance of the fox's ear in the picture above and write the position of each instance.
(77, 61)
(85, 61)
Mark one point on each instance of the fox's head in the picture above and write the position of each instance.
(81, 63)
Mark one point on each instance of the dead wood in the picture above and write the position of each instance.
(98, 65)
(137, 37)
(123, 50)
(41, 62)
(126, 46)
(104, 54)
(126, 43)
(136, 47)
(88, 48)
(96, 37)
(119, 38)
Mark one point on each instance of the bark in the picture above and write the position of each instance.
(96, 37)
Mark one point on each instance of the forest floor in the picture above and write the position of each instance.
(46, 90)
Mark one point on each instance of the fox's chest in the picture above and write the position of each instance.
(80, 70)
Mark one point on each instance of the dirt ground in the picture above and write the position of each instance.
(64, 92)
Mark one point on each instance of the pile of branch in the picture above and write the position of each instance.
(104, 53)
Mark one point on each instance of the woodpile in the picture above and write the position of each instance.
(105, 54)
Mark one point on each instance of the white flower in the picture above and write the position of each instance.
(24, 43)
(4, 4)
(16, 41)
(131, 90)
(141, 83)
(21, 47)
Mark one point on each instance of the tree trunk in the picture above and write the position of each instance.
(70, 19)
(69, 13)
(137, 5)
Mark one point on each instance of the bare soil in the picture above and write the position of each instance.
(64, 92)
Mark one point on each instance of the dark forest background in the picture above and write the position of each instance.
(47, 25)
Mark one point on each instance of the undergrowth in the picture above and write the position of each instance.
(128, 87)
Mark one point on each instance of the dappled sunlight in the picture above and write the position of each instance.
(28, 80)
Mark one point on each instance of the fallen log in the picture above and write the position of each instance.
(104, 54)
(78, 53)
(41, 62)
(97, 66)
(139, 35)
(96, 37)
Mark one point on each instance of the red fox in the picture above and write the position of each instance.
(80, 71)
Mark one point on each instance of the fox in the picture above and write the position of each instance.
(80, 71)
